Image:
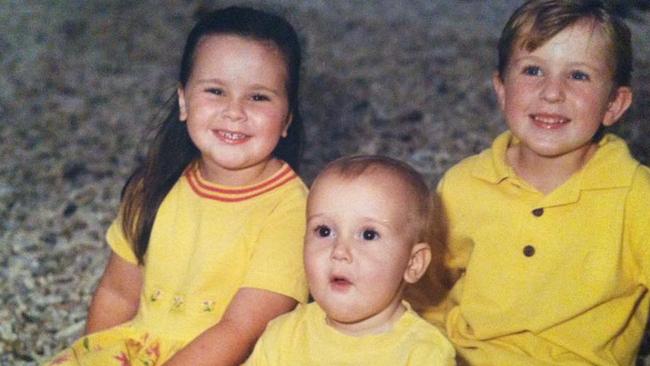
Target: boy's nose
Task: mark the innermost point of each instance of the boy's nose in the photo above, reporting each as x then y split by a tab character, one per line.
553	89
341	251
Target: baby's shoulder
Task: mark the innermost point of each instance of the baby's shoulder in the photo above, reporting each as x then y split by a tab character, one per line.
427	341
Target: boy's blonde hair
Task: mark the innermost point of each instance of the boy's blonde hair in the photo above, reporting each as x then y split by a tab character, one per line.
351	167
537	21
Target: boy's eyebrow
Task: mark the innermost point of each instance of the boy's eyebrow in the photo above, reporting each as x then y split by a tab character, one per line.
539	59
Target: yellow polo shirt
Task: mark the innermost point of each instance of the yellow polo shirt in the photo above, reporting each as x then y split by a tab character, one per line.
557	279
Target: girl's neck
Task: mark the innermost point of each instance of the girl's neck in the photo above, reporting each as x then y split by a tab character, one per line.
238	177
547	173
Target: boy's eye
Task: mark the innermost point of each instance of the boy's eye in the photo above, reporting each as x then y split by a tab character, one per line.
259	97
579	75
323	231
370	234
532	71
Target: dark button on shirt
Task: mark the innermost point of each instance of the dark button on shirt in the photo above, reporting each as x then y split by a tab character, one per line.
538	212
529	250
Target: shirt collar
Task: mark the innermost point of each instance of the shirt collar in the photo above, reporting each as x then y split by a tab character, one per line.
611	166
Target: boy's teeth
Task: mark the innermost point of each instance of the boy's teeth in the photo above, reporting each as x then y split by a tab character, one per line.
550	120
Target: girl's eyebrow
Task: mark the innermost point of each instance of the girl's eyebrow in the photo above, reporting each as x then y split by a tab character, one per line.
209	81
253	86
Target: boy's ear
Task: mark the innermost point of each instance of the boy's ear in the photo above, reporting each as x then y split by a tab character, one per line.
182	108
497	83
619	103
419	262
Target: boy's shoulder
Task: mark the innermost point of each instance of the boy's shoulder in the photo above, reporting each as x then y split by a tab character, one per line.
489	164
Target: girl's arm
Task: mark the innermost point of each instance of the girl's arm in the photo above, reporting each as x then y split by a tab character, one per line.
117	296
230	341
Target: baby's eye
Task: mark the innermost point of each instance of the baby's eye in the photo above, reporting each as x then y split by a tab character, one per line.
215	91
579	75
322	231
260	98
370	234
532	71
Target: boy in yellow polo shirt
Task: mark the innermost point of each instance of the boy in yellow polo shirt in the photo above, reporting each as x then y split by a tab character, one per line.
549	229
368	235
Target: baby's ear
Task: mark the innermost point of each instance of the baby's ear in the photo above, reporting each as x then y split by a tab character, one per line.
620	101
417	266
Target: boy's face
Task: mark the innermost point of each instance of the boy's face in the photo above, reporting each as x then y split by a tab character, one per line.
556	97
358	248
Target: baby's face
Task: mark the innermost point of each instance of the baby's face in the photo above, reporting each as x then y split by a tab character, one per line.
357	248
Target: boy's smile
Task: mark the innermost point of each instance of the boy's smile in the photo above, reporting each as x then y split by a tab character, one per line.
556	97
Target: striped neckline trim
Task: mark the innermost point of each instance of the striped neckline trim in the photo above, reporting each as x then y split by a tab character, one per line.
221	193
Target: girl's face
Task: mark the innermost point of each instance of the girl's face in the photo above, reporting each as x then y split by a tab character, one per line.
556	97
236	107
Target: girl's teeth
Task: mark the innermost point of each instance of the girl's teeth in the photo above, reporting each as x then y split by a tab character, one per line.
233	136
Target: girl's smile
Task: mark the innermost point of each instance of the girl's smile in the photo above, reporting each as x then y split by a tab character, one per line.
232	138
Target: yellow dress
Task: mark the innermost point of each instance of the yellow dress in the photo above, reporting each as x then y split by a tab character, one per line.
207	242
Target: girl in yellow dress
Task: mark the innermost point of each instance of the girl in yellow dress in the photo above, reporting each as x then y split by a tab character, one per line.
207	247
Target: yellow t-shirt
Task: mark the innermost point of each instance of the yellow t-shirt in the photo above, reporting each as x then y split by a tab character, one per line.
303	337
557	279
207	242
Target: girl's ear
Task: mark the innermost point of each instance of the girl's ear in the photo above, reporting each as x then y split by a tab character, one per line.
499	88
287	125
619	103
417	266
182	108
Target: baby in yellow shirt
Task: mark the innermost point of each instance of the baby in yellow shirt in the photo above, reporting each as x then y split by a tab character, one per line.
368	236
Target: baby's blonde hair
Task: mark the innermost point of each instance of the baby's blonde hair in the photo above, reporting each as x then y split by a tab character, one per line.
351	167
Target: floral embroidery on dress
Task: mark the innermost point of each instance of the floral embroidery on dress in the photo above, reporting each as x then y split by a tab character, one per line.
178	302
208	306
155	295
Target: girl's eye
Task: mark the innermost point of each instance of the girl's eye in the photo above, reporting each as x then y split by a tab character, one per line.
323	231
215	91
532	71
370	234
579	75
260	98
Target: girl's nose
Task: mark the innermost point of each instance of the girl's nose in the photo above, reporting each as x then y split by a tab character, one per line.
341	251
553	89
233	110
